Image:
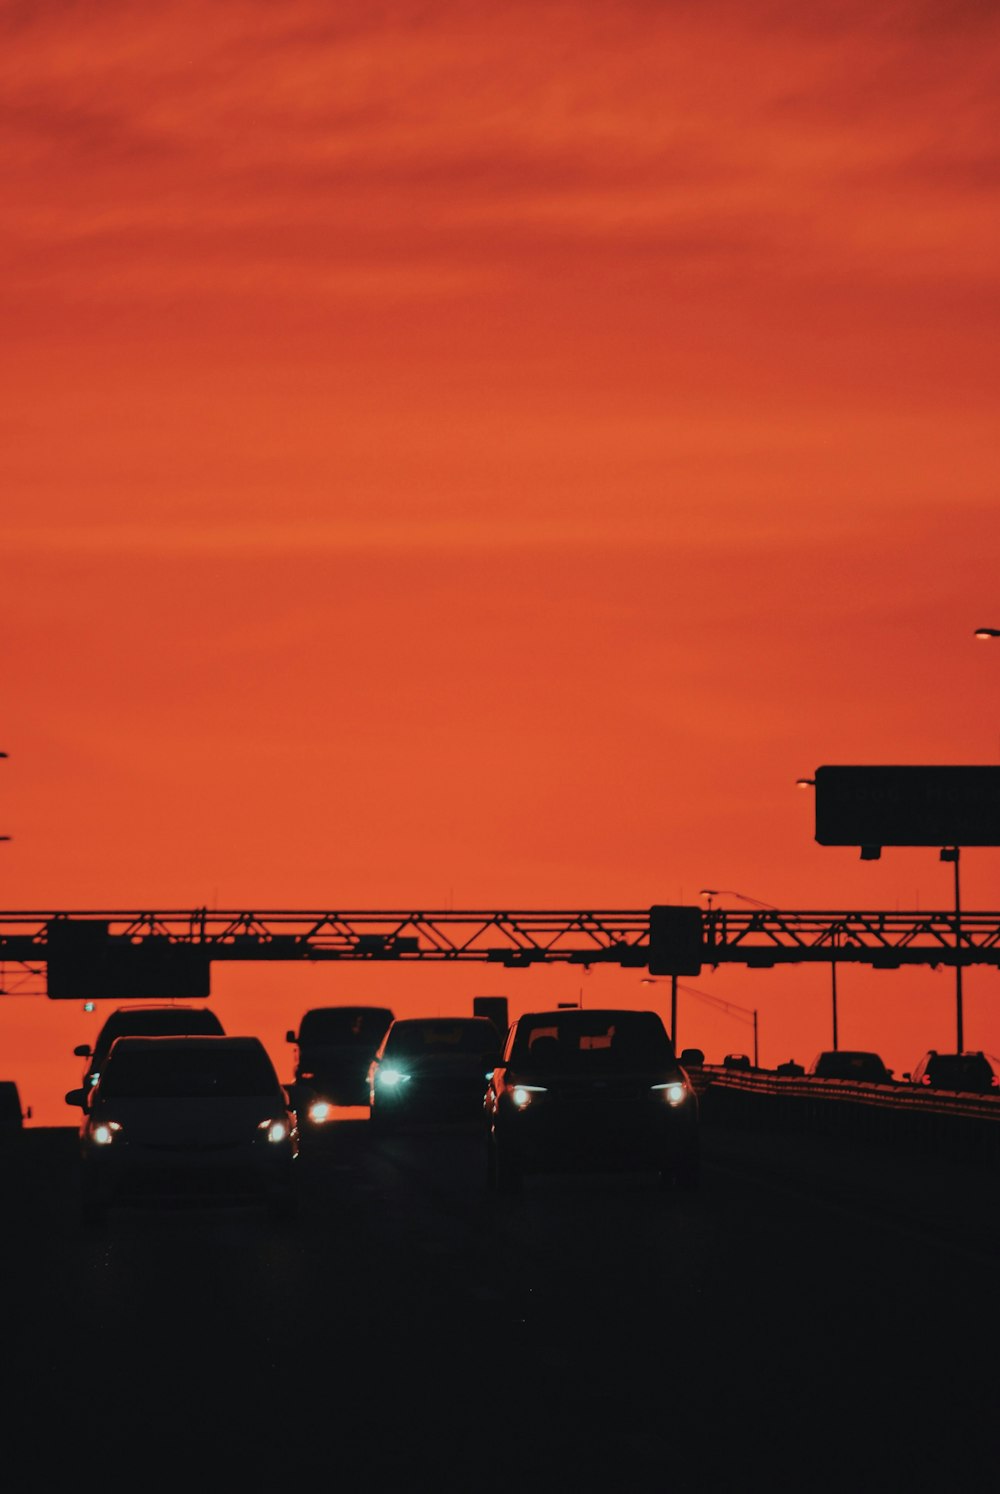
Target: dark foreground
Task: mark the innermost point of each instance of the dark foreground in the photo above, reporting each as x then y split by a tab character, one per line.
817	1317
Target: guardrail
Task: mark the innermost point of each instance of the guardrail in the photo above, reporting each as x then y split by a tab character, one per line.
903	1115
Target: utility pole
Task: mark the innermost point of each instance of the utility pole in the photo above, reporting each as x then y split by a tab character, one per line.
952	854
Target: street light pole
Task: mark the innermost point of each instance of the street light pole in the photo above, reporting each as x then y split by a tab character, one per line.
673	1011
952	854
652	980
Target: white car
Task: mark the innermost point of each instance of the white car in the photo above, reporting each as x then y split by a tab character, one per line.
178	1117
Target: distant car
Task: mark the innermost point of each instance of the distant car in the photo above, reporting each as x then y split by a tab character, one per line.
737	1061
149	1020
432	1069
692	1058
336	1045
12	1117
848	1063
790	1069
174	1117
971	1073
590	1090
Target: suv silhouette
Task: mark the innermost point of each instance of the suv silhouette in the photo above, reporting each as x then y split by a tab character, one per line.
971	1073
336	1045
144	1021
845	1063
590	1091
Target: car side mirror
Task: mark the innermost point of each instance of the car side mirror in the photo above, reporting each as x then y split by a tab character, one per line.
290	1036
908	1075
77	1097
82	1050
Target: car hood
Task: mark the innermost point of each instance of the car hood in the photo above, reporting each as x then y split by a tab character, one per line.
436	1065
216	1122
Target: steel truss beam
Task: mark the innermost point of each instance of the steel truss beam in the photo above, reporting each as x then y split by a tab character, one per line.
753	936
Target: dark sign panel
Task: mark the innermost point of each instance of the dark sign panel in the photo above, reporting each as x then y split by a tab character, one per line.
85	964
676	939
494	1007
908	806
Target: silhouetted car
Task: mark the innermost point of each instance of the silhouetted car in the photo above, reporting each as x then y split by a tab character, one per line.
971	1073
790	1069
12	1117
432	1069
737	1061
848	1063
692	1058
187	1116
148	1020
590	1091
336	1046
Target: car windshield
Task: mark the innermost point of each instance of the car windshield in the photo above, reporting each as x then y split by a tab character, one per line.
172	1073
345	1025
174	1021
413	1039
615	1041
843	1065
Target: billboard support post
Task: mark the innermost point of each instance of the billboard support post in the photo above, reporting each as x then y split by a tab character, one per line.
953	854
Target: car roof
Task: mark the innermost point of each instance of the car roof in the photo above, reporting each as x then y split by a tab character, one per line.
348	1006
141	1012
588	1014
185	1042
443	1021
849	1053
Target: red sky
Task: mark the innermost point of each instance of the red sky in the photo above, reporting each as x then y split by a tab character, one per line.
484	456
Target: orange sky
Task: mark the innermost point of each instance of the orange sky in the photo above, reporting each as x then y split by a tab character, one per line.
484	456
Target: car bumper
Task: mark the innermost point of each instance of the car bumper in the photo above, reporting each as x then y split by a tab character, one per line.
546	1140
224	1172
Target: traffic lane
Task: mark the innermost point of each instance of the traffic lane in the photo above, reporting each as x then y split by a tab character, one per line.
793	1306
591	1325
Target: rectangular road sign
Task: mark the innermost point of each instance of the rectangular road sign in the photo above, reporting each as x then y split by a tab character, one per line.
85	964
908	806
676	939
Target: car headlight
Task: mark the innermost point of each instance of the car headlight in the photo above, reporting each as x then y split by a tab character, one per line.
277	1130
521	1095
319	1112
104	1133
390	1077
675	1091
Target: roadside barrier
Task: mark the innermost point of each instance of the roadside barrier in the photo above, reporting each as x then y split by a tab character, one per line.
902	1115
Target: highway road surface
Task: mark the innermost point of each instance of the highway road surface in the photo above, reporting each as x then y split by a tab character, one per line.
820	1315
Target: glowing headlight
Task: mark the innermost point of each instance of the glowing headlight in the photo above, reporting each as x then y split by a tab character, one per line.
521	1094
277	1130
675	1092
95	1076
320	1111
391	1077
104	1133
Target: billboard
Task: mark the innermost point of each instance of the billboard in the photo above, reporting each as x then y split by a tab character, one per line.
85	963
908	806
676	939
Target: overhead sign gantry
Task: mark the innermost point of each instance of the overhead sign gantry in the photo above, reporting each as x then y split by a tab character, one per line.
153	955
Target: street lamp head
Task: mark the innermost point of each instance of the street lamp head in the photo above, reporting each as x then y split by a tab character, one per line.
987	633
805	783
